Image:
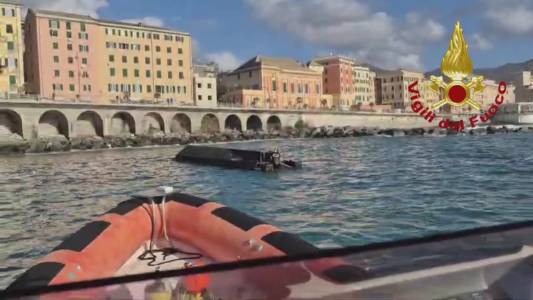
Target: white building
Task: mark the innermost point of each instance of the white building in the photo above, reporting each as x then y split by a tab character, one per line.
205	86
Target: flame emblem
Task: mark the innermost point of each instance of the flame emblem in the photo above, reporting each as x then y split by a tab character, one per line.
457	66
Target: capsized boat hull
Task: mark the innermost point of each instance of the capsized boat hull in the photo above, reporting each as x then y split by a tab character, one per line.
233	158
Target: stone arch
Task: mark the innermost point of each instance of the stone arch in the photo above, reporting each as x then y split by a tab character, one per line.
153	122
52	123
122	123
273	123
89	123
210	124
233	122
254	123
10	122
180	123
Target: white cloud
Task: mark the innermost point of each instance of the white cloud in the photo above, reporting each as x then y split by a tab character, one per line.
510	16
225	60
351	26
83	7
480	42
150	21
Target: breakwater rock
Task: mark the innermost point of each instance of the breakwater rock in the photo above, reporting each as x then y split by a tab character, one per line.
14	144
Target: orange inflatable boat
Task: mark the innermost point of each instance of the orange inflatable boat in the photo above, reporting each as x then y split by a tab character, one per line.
154	233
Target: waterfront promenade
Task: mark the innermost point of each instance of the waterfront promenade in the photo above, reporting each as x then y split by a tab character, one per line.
31	119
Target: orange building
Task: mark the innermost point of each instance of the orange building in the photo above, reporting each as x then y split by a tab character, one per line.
72	56
267	82
351	85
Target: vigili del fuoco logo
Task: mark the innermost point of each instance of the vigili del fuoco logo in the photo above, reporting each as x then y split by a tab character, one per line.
459	89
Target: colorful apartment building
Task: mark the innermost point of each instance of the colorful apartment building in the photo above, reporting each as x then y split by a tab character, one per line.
71	56
268	82
11	49
205	86
394	87
350	84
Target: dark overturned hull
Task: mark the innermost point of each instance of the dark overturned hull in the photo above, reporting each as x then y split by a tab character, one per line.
233	158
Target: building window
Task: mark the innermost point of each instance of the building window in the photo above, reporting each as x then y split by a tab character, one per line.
112	72
9	28
157	49
146	48
57	73
70	60
292	88
148	74
284	87
147	60
158	61
199	97
148	88
12	80
136	59
181	75
274	85
85	74
68	26
69	47
125	72
53	24
10	46
124	59
82	27
111	58
180	51
71	88
69	35
169	75
84	61
159	74
55	45
137	73
169	62
71	74
209	98
180	63
56	59
209	85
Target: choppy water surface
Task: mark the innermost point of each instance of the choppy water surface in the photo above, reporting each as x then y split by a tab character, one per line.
351	191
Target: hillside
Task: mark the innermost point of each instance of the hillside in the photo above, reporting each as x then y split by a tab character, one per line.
507	72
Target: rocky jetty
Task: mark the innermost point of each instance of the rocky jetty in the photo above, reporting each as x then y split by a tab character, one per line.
14	144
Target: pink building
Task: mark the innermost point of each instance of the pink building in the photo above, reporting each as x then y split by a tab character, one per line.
72	56
351	85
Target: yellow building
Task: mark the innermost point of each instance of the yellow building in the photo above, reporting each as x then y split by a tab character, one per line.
71	56
11	48
268	82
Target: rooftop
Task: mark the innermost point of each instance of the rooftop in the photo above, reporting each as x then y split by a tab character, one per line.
89	18
12	2
280	62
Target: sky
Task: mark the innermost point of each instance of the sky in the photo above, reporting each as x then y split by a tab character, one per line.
386	33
